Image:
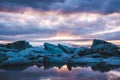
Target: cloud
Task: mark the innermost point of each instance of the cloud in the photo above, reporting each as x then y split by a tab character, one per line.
96	6
35	26
65	6
17	5
18	30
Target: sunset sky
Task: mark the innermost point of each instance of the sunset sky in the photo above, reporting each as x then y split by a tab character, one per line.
71	21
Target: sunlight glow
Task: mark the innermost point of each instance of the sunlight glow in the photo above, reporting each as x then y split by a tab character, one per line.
64	36
45	79
64	68
4	42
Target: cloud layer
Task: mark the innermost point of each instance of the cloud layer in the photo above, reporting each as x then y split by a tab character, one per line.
66	6
37	20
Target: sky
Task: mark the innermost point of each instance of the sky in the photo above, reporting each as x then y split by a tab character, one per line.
65	21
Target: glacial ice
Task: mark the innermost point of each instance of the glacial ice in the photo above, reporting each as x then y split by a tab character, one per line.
100	52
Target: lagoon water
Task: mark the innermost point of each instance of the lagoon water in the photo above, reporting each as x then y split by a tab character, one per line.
58	72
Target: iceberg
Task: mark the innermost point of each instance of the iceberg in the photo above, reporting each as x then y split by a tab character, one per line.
53	49
105	48
20	45
66	49
21	52
15	61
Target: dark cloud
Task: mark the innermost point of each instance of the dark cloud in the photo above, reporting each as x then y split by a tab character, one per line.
28	30
112	36
96	6
66	6
112	6
13	5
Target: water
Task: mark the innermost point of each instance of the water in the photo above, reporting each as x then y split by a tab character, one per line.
57	72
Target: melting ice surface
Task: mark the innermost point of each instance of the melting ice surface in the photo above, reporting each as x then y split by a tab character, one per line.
57	72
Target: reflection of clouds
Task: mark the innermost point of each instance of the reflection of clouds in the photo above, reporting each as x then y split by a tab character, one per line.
63	69
52	78
53	73
114	75
63	73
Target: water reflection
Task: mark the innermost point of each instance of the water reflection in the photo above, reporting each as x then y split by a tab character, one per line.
57	72
99	67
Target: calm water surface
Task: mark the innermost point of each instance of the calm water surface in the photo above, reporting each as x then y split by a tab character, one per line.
58	72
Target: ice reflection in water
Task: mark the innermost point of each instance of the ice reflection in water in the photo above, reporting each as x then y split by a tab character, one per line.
58	73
